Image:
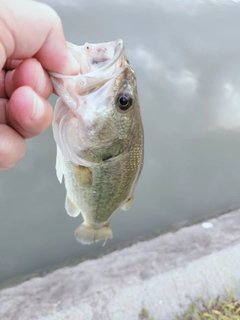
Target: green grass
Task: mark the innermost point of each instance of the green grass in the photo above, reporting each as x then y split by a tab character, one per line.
144	315
219	309
227	308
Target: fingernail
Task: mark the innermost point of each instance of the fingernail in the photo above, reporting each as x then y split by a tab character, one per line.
38	107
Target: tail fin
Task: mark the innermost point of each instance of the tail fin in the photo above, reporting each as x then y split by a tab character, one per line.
87	234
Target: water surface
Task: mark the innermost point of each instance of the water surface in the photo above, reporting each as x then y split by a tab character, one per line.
186	56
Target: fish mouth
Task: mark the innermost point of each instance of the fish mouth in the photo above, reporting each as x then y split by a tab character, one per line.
96	59
116	47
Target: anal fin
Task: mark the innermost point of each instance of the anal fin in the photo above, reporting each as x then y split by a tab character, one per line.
71	208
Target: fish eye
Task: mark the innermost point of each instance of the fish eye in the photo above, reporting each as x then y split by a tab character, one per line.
124	101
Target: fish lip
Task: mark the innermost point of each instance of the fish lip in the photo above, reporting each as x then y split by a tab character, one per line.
118	51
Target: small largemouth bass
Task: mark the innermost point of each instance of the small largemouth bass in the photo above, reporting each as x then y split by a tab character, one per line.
98	130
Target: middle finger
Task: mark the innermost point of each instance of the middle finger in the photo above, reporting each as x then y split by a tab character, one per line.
29	73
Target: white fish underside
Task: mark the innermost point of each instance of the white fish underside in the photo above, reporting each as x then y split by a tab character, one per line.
99	137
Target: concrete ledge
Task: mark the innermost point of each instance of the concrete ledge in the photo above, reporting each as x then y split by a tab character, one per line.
163	275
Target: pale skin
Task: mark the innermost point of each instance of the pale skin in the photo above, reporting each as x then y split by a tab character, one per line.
31	42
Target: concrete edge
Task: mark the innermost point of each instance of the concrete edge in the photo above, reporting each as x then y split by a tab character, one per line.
163	274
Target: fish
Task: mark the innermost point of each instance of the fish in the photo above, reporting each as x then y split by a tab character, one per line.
98	130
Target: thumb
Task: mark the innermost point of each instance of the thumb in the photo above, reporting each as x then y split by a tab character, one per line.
28	29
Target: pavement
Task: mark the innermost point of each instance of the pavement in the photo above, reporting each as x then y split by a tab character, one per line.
163	275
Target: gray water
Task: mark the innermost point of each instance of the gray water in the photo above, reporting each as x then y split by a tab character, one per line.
186	55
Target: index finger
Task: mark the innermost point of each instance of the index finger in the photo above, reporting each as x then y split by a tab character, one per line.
28	29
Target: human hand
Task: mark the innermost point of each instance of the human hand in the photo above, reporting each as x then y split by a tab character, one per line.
31	40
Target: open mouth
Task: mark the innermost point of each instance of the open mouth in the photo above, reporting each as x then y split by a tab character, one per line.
102	56
95	59
99	63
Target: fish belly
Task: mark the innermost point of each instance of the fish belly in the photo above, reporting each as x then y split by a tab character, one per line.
99	190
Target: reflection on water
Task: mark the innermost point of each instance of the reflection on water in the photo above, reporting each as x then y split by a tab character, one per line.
187	61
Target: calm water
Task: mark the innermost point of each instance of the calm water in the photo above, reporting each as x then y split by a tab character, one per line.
187	58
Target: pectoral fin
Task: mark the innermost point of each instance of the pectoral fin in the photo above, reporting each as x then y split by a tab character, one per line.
127	205
83	175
